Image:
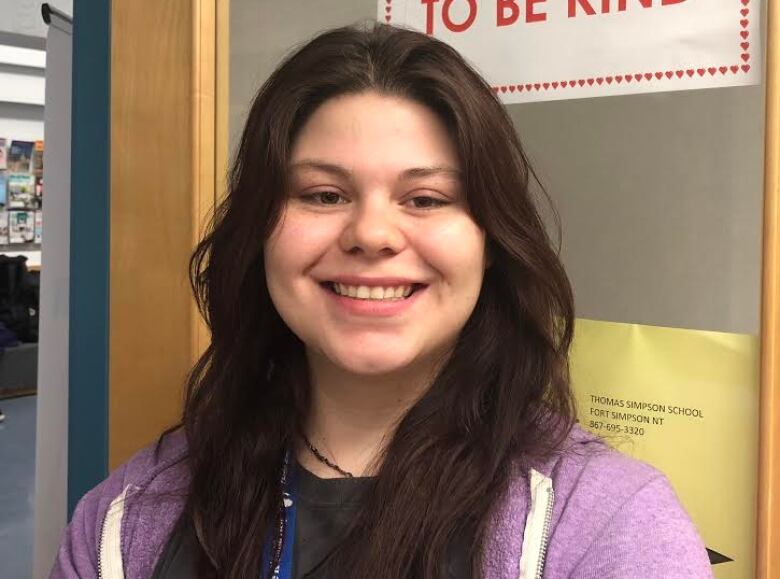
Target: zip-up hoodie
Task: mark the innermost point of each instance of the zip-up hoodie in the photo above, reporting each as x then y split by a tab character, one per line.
588	513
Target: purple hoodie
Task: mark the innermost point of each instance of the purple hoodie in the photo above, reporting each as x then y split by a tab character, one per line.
588	513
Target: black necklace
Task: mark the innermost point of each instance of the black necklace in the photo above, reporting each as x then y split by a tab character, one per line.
324	460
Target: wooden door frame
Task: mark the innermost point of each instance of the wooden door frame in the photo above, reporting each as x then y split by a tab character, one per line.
768	535
169	72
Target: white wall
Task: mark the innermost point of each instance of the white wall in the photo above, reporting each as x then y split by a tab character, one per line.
23	122
22	92
24	16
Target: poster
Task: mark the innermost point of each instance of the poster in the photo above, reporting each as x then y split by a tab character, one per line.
685	401
535	50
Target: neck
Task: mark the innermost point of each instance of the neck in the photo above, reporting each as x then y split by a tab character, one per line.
352	417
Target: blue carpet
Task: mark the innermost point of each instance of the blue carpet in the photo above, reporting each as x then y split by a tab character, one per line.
17	487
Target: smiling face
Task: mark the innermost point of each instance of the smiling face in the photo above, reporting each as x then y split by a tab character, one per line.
376	263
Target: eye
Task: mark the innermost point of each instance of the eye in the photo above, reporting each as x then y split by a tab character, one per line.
425	202
324	198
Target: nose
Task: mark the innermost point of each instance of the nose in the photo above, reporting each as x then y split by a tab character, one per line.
373	229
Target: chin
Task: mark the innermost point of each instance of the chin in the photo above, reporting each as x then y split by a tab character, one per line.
368	365
372	367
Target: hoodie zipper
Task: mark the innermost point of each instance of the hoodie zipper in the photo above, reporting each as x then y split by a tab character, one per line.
536	535
550	499
110	547
100	549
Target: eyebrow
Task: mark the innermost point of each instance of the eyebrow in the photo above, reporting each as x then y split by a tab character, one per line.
344	173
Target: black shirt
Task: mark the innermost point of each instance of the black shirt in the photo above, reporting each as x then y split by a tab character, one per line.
325	509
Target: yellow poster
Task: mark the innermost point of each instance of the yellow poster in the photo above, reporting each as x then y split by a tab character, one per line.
685	401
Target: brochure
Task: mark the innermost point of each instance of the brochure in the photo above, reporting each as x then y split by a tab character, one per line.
20	156
37	159
21	191
38	226
38	192
3	228
21	226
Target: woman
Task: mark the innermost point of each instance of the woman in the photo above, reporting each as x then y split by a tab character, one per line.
386	393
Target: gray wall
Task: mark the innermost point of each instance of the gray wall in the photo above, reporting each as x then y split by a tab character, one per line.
262	32
660	198
660	195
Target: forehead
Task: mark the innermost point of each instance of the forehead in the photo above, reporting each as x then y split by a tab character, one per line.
373	130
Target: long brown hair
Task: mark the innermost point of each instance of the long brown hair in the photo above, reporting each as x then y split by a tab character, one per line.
502	399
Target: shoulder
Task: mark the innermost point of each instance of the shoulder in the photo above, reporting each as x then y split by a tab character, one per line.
159	468
615	516
153	481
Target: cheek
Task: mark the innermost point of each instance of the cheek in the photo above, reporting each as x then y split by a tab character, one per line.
457	252
294	246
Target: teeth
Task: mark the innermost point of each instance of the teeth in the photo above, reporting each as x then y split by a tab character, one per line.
363	292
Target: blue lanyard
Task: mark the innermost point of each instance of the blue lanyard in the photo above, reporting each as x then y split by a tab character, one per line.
286	531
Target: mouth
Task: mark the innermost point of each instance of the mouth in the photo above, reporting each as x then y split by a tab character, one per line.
373	293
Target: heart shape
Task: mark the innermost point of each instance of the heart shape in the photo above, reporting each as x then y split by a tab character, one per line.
581	82
546	85
387	18
744	23
511	88
659	75
723	69
503	89
590	81
669	74
746	57
745	2
744	34
520	88
388	9
609	79
680	73
701	71
745	45
600	80
744	11
555	85
537	86
528	87
564	83
690	72
745	67
619	78
735	69
712	70
648	76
